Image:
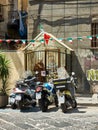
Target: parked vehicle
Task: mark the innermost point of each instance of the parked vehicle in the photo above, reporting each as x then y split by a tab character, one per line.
65	89
46	95
23	94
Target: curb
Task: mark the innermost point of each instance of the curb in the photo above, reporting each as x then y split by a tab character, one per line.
87	100
87	104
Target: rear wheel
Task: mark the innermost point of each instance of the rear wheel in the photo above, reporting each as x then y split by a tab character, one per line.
64	108
74	104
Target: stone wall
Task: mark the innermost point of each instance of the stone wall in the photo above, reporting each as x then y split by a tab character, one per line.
16	66
66	19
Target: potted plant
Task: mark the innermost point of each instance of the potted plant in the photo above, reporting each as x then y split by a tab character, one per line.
4	75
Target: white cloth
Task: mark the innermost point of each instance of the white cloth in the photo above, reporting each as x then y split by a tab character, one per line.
62	73
21	26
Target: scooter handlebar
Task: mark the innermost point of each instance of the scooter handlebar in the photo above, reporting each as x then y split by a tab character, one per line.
28	80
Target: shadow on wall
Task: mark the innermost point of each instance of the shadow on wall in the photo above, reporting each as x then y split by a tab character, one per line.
83	83
68	20
58	2
37	21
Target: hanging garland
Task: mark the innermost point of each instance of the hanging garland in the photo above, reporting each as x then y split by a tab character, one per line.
10	40
46	39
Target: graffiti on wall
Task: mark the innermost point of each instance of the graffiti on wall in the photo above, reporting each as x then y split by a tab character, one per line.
91	67
92	74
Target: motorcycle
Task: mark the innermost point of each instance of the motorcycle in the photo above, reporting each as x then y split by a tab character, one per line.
46	95
65	89
23	94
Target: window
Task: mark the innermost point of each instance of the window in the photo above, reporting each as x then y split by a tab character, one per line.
1	9
94	32
1	13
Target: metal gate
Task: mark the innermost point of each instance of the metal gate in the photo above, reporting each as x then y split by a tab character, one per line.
51	58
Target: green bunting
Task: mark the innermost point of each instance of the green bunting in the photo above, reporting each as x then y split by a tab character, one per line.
89	37
70	39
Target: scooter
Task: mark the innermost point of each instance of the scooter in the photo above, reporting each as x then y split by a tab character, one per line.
65	89
46	95
23	95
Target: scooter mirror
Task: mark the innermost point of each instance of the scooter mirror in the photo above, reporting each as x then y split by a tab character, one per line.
73	73
36	72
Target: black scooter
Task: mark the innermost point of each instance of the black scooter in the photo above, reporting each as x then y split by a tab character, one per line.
65	89
23	94
46	95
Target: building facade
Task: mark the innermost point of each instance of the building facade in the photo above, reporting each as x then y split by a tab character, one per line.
8	13
76	23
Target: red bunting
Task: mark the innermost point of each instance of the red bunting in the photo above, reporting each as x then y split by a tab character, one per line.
46	38
33	44
0	40
8	41
17	41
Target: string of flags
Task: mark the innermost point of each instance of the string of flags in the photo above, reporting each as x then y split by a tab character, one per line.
14	40
46	39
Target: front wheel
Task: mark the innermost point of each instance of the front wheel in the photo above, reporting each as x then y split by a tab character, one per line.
14	106
64	108
34	104
56	101
43	105
20	105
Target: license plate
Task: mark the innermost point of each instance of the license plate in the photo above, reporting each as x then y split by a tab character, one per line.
38	95
18	97
62	86
12	100
61	99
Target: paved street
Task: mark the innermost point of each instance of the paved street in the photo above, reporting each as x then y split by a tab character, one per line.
83	118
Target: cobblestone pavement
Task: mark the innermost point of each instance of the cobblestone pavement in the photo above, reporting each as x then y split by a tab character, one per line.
82	118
